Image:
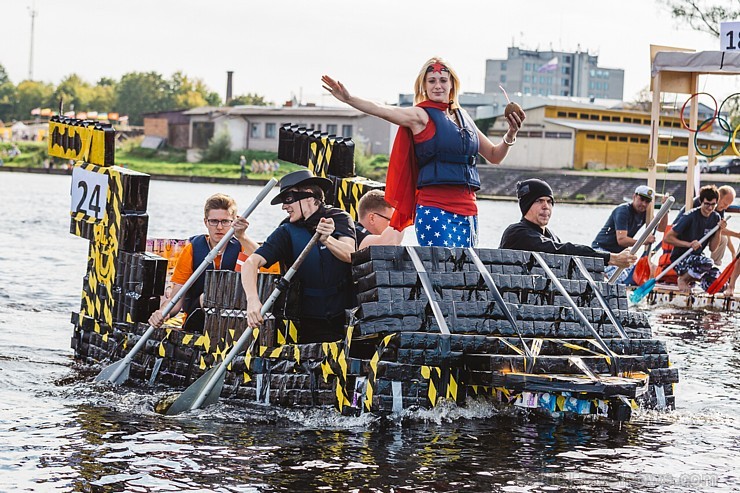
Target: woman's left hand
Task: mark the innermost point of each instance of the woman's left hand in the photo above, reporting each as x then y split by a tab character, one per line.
515	124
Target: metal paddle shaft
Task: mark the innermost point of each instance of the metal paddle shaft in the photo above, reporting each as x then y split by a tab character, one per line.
488	279
117	373
207	388
639	293
578	311
649	229
427	285
595	288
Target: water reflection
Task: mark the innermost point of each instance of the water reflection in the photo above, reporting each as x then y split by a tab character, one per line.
59	431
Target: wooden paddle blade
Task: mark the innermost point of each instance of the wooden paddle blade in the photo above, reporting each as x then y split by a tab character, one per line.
720	282
639	293
190	395
107	374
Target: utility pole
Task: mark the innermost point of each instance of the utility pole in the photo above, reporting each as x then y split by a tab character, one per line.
30	55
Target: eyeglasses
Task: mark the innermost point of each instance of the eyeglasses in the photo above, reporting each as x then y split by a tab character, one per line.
710	204
223	222
291	197
381	215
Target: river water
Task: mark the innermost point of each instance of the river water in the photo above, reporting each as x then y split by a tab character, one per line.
61	432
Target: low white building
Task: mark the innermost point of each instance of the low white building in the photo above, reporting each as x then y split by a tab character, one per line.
257	127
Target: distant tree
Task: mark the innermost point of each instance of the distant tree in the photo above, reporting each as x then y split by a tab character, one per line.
102	98
213	99
7	96
142	92
190	93
32	94
107	81
251	99
72	90
703	15
3	75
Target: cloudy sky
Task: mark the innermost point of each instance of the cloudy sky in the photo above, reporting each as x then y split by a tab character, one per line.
280	48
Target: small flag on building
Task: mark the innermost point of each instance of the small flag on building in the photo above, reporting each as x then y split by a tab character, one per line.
549	66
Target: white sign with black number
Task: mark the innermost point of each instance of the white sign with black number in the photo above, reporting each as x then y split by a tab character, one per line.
89	192
729	36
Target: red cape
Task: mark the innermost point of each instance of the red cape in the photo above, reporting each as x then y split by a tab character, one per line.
400	184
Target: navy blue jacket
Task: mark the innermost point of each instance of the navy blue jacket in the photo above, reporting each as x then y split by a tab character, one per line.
449	157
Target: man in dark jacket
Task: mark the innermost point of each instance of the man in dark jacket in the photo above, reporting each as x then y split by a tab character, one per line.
325	276
531	233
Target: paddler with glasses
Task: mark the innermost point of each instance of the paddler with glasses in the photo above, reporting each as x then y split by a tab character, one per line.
220	214
685	234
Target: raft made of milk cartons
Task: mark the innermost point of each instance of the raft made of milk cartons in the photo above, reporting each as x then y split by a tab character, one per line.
395	355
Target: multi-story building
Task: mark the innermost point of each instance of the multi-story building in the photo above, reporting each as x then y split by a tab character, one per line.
554	73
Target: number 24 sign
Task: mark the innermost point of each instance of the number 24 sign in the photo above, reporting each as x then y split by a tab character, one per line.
729	36
89	192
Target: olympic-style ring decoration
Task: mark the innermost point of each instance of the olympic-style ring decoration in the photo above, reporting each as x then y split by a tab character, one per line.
727	144
719	112
734	134
709	120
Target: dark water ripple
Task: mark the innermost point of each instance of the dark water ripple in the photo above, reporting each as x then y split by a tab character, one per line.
61	432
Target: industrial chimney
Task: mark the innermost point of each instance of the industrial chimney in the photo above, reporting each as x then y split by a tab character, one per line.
229	77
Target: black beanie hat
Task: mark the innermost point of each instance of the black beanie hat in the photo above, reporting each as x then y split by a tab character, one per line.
528	191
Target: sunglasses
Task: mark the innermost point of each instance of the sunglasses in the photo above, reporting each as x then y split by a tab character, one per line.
291	197
381	215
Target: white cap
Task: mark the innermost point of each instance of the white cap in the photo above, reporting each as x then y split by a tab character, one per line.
645	191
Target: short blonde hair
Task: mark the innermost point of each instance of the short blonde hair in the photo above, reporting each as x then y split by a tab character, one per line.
419	92
725	190
219	201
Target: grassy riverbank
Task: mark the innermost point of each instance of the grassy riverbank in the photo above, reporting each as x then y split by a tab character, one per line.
173	162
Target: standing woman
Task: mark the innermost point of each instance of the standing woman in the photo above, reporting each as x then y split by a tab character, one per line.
432	176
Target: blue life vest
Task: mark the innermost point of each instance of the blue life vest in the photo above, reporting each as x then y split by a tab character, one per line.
326	287
449	157
201	248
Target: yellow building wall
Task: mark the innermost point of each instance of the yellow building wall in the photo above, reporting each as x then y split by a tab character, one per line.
623	150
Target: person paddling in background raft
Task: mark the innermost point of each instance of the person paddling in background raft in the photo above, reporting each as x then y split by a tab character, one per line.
622	226
686	233
432	174
220	214
726	199
531	234
325	276
374	227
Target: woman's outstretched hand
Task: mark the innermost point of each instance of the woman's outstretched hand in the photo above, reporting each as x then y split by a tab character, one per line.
336	88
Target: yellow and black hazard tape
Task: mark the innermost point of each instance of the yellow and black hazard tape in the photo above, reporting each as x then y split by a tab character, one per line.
97	295
372	375
84	140
350	190
319	155
288	335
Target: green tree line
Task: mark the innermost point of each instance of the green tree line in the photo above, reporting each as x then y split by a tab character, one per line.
134	94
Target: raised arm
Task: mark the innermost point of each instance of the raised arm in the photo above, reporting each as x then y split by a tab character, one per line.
414	118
